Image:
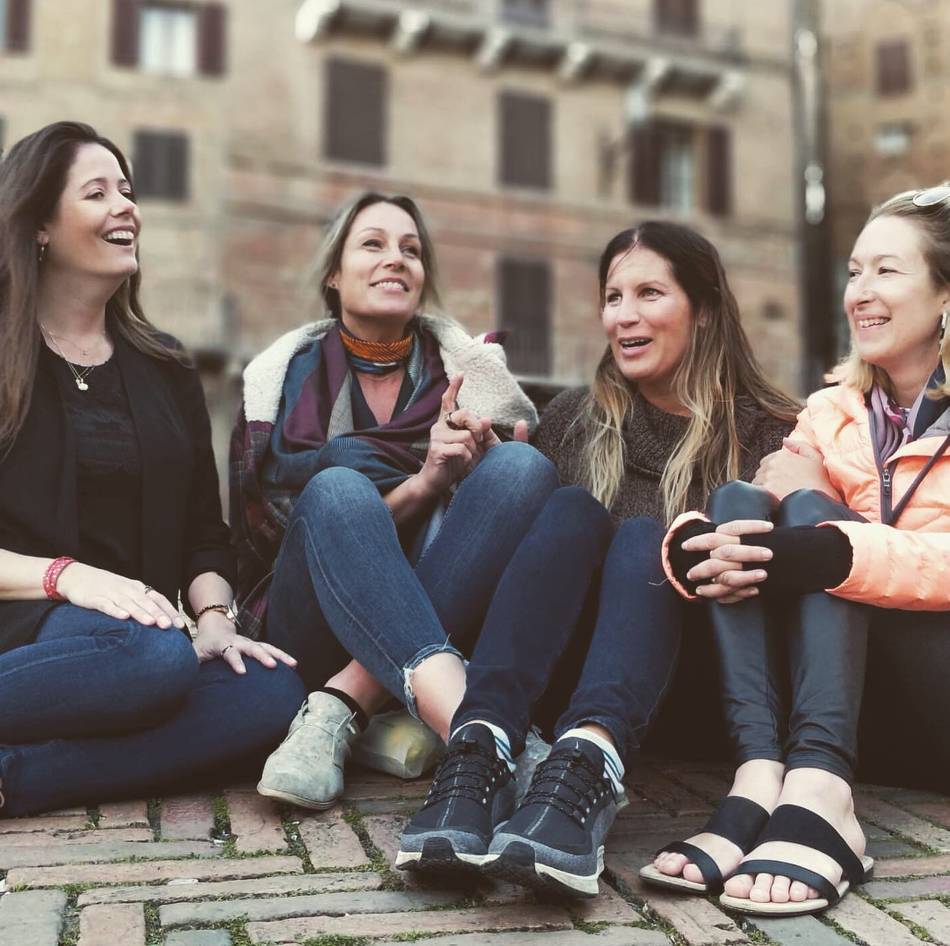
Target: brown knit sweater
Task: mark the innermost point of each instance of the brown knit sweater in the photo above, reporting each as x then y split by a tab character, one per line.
651	436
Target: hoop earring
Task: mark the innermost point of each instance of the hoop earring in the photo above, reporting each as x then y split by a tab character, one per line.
41	253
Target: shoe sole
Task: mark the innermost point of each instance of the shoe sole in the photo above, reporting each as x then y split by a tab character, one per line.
437	854
297	800
517	863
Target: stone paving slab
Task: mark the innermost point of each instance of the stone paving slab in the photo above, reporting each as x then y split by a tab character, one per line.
137	873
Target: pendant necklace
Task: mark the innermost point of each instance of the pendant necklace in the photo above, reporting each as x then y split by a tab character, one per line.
79	376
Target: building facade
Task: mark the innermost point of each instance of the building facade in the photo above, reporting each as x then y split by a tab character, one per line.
530	131
886	70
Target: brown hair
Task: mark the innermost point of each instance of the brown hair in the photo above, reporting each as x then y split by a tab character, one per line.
933	223
331	250
718	365
32	178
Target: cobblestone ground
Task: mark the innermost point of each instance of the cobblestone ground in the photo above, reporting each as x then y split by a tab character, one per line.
233	869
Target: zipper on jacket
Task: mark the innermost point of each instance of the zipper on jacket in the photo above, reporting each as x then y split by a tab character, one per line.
887	473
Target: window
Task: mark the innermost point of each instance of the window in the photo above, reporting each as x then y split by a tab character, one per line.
355	112
893	139
524	145
893	67
525	12
14	25
666	162
160	165
677	17
524	296
169	38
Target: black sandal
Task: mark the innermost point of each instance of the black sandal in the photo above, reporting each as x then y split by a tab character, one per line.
737	819
798	825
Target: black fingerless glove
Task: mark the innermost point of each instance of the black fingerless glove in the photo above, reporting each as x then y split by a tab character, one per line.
682	561
804	558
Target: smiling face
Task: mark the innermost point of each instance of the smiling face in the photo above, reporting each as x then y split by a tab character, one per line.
381	276
647	317
94	229
892	304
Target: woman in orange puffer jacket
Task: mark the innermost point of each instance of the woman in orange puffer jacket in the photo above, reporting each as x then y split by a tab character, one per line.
839	590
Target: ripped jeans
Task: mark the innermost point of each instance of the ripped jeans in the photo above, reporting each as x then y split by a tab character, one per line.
343	587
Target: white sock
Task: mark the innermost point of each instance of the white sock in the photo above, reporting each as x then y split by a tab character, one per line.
502	745
613	767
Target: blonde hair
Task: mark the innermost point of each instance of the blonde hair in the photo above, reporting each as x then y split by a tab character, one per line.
933	222
717	366
330	254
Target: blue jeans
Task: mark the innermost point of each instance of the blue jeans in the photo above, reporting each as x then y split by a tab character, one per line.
343	587
99	709
584	627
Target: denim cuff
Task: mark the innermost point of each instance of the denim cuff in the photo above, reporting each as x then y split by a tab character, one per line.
409	696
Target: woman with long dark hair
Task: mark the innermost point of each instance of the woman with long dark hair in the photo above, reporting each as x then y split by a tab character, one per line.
677	407
109	510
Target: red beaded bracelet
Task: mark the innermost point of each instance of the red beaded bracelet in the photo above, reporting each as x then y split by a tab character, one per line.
51	576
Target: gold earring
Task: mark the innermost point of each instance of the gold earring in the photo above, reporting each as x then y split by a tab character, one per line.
944	317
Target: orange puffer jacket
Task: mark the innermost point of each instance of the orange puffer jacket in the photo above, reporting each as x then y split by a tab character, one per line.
906	566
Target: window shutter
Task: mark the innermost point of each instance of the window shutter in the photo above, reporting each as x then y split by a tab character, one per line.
524	145
524	292
355	112
212	39
18	25
125	32
893	67
719	171
676	16
644	185
161	165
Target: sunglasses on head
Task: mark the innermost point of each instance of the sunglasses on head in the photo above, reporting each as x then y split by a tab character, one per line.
932	196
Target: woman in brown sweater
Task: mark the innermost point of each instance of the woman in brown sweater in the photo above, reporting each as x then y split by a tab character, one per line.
677	407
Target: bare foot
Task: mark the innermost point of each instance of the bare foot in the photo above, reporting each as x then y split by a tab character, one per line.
759	780
825	794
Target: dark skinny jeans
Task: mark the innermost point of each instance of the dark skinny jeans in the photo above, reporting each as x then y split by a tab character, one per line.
794	670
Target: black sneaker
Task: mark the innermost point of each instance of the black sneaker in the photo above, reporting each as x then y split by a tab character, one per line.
555	840
472	792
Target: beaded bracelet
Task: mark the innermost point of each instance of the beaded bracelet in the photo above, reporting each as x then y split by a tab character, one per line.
51	576
224	609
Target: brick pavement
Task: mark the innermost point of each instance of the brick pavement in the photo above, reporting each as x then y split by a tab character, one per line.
233	869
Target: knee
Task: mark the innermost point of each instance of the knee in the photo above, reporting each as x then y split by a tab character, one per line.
572	509
806	507
333	492
739	500
166	665
515	464
640	540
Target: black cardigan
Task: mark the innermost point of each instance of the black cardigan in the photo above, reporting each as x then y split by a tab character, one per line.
183	533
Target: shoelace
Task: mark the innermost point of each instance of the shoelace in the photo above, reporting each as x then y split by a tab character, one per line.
567	781
466	771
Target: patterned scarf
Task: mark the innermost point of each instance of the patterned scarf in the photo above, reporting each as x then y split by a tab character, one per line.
314	428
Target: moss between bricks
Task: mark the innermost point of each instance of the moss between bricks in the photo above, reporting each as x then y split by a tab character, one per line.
154	810
153	924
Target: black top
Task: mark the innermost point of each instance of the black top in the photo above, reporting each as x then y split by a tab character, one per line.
108	468
181	532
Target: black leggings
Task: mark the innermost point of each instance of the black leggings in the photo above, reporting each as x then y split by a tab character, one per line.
793	669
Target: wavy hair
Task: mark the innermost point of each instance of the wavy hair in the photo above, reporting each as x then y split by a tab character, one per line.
32	177
933	223
330	253
718	365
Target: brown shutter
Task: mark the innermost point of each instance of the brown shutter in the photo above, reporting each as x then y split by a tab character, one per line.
893	67
212	39
125	32
676	16
644	186
160	165
355	112
524	295
719	171
524	146
18	25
